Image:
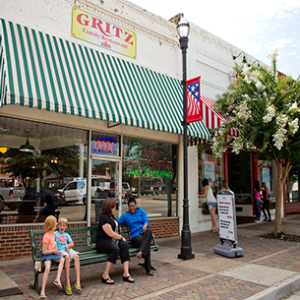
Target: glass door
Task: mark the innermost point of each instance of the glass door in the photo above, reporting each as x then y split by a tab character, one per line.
104	183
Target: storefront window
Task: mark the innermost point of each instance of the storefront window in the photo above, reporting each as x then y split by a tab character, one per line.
209	168
267	175
150	169
43	171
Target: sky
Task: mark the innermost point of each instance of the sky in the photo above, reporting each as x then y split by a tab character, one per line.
257	27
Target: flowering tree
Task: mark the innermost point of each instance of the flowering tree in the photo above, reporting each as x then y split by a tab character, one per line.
264	108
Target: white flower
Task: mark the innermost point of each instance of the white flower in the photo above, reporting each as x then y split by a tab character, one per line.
293	126
222	129
273	55
281	120
243	112
256	74
237	145
218	149
246	71
294	108
271	113
279	137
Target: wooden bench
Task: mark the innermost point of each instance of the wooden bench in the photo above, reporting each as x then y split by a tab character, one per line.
85	243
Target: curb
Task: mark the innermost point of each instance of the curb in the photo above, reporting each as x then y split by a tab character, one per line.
277	291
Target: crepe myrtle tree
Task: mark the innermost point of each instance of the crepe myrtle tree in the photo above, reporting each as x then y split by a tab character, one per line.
264	108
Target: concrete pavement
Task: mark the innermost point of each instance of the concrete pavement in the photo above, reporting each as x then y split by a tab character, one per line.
270	269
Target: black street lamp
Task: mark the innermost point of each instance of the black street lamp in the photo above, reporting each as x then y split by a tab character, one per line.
183	30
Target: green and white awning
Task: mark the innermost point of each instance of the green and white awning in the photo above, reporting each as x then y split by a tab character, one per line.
47	72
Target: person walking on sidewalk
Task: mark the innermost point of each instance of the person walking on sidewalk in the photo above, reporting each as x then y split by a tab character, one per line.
265	206
140	234
257	200
212	204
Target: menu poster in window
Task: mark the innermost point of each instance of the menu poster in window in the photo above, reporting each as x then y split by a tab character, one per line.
209	170
81	187
226	211
266	177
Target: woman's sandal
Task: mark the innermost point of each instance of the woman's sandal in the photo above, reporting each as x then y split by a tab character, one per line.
42	297
57	284
107	280
68	291
128	278
77	287
215	231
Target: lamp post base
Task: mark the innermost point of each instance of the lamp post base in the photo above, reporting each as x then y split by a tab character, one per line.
186	249
186	255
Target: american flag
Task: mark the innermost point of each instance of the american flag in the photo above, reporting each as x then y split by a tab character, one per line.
193	100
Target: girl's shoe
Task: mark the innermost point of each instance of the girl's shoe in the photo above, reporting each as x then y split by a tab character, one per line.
57	284
77	287
68	291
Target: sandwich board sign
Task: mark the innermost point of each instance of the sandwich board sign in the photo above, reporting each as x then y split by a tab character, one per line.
227	225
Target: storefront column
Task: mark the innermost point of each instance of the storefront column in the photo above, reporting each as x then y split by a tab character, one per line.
81	168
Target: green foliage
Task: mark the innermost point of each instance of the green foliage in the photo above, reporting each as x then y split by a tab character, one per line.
262	107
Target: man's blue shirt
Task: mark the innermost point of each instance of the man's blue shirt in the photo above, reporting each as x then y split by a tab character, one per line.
134	222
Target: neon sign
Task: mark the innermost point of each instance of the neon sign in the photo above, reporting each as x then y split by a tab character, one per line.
153	156
105	145
148	173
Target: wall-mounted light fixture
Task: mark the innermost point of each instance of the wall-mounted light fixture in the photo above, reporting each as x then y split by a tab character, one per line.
258	63
244	57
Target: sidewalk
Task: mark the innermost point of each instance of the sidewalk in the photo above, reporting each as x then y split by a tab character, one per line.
269	270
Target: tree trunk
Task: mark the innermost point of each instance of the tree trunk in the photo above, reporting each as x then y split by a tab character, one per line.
279	184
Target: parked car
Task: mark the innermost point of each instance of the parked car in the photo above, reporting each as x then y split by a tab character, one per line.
33	196
125	189
75	190
134	190
173	189
11	196
151	187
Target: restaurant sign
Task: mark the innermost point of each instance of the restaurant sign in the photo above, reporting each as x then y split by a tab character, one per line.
90	28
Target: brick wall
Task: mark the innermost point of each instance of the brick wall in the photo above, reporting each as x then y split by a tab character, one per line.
163	228
292	208
15	241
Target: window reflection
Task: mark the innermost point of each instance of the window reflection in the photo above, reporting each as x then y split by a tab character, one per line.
32	182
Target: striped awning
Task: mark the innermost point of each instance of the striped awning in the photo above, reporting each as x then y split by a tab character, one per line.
47	72
211	118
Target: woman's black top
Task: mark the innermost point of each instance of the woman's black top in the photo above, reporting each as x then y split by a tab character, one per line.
101	235
265	196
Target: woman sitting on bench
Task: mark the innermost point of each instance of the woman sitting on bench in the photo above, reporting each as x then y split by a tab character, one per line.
111	242
140	234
